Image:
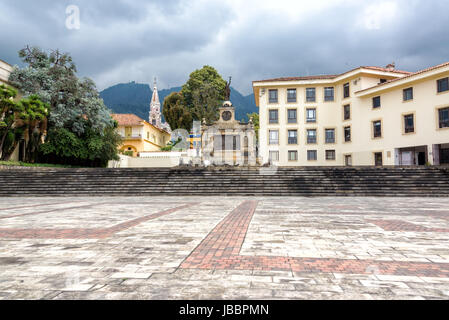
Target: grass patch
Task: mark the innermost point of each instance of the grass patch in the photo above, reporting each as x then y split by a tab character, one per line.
25	164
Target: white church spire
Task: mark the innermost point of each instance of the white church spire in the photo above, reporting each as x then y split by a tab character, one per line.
155	98
155	110
155	107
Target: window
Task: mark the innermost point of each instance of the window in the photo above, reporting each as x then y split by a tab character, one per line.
378	159
443	85
311	136
226	142
346	90
311	115
274	116
274	137
330	154
292	155
148	136
383	80
273	95
311	155
291	95
409	124
347	112
443	118
330	135
377	129
128	132
292	116
408	94
310	95
274	156
347	131
376	102
348	160
292	137
329	94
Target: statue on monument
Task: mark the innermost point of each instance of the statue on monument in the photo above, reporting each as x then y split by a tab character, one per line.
228	90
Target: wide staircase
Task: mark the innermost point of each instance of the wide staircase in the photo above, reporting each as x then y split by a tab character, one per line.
343	181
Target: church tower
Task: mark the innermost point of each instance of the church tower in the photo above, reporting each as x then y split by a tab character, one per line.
155	108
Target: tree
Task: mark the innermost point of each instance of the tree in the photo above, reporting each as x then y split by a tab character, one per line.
33	116
8	110
26	116
75	104
90	149
176	113
205	103
203	93
255	117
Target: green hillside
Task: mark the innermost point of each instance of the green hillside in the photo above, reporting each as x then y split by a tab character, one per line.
135	98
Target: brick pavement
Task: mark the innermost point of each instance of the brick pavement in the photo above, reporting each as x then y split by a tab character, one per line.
224	248
221	250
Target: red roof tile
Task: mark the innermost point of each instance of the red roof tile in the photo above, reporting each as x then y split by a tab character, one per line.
385	70
127	119
411	74
332	76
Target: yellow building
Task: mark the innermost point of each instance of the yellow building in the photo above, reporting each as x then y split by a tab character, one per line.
139	135
5	71
366	116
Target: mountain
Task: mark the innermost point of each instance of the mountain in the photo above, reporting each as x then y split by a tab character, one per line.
132	98
135	98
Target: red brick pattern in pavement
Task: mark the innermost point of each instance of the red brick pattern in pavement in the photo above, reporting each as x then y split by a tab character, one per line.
225	239
80	233
221	250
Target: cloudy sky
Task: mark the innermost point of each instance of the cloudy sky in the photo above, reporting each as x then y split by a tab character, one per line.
135	40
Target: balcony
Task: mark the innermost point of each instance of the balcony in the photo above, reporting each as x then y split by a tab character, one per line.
131	136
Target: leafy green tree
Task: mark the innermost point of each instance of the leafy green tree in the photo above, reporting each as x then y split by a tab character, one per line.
8	110
75	104
89	149
203	93
255	117
176	113
26	116
205	103
33	116
62	144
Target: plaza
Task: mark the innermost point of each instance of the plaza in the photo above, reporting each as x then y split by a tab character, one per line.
224	248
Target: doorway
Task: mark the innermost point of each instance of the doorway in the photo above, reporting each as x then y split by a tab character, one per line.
444	156
413	156
421	159
378	159
348	160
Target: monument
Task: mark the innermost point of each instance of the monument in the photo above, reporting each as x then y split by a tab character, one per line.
228	141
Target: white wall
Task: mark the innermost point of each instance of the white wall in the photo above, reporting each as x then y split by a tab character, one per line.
151	160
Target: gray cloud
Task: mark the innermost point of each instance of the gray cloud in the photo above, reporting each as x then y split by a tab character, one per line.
126	40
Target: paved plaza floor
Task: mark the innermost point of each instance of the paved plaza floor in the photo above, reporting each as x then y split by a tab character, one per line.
224	248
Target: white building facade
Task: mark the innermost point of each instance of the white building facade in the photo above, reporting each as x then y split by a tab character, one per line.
366	116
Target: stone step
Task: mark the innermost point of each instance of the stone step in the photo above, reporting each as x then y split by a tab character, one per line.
357	181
